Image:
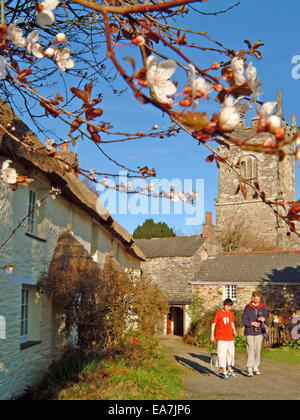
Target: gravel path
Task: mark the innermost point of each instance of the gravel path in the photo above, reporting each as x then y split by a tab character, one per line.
279	381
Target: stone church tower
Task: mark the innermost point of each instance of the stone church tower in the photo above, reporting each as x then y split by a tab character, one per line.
249	224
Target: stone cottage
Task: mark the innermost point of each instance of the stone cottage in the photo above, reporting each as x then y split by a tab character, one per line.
172	263
76	220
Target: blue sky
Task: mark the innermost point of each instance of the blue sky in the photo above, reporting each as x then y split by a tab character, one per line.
271	21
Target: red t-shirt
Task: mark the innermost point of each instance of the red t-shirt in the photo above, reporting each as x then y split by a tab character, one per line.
224	330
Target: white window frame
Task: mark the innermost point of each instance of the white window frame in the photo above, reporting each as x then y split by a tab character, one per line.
230	292
2	328
24	327
31	220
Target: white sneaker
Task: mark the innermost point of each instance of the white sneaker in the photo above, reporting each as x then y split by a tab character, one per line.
225	375
250	372
256	371
231	374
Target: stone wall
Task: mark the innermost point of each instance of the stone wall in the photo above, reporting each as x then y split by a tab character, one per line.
212	295
172	275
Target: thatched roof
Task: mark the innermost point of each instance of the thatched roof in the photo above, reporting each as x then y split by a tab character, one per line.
178	246
71	187
70	256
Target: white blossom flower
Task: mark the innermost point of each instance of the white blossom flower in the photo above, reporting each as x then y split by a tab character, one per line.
229	117
199	86
131	186
16	35
33	47
237	65
158	75
45	15
55	192
273	122
104	182
150	187
61	37
267	108
49	52
251	77
191	197
63	59
92	173
252	80
49	144
8	268
7	174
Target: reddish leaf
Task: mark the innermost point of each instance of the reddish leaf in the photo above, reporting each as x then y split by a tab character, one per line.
238	189
50	109
87	92
3	31
24	73
77	92
75	124
91	114
243	189
210	158
94	134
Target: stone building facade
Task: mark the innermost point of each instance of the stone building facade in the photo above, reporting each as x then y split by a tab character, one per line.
248	222
171	263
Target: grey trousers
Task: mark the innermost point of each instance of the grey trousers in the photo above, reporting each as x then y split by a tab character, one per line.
254	343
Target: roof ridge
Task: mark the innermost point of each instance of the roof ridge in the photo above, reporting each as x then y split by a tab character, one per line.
170	237
260	252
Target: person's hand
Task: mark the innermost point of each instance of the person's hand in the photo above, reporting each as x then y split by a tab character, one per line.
235	333
261	318
212	339
255	324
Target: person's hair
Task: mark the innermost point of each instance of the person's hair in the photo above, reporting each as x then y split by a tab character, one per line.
255	293
227	302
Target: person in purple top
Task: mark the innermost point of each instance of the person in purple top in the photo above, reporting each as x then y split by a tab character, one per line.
254	317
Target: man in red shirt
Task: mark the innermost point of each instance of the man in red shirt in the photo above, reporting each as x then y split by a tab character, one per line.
223	323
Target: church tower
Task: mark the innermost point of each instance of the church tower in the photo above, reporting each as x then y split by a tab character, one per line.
249	224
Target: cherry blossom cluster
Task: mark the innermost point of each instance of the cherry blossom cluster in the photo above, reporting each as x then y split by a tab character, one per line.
158	81
61	57
173	195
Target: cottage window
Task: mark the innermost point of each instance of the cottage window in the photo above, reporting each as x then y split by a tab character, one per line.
230	292
30	317
31	218
2	328
24	315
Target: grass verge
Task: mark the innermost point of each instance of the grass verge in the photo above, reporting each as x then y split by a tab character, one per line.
90	377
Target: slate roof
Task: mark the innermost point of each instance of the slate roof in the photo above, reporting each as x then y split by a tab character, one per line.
178	246
71	187
249	267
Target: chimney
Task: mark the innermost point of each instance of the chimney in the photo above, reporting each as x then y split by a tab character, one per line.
68	160
208	230
64	147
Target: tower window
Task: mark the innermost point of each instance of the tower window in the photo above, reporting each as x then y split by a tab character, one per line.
249	168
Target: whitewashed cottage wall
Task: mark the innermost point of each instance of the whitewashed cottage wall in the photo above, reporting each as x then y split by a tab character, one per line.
20	368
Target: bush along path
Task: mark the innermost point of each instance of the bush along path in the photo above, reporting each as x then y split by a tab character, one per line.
278	381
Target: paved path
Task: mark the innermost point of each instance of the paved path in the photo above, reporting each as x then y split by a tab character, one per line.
279	381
